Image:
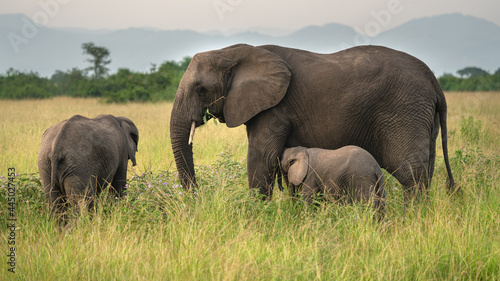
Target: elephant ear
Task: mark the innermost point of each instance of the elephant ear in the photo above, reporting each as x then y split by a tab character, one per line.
299	166
258	79
132	135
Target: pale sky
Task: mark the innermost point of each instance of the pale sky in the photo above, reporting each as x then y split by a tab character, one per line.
207	15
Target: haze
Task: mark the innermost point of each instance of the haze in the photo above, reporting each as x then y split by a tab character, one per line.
227	15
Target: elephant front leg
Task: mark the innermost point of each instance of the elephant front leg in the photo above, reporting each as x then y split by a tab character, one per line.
266	142
261	174
120	180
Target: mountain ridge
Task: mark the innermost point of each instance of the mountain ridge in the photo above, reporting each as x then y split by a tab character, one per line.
446	43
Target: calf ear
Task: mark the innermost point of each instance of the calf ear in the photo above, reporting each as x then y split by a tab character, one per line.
132	136
298	169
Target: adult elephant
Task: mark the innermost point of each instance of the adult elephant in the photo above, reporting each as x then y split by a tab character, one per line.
79	156
383	100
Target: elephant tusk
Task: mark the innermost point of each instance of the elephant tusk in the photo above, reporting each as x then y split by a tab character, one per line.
191	133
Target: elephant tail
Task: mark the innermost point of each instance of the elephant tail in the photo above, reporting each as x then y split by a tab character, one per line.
441	110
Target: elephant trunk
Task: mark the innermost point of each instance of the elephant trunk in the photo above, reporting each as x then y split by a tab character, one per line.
181	137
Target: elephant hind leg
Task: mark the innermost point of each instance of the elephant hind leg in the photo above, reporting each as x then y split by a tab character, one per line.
411	163
58	204
415	179
54	194
81	193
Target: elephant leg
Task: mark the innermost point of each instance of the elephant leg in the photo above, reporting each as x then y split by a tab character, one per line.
57	202
54	195
266	141
119	181
379	202
309	188
261	172
370	189
292	190
81	190
58	205
414	176
332	191
360	189
409	157
51	193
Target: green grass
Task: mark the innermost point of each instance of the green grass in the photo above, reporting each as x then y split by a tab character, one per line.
158	232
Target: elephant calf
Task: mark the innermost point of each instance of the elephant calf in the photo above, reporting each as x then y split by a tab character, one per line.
347	174
79	156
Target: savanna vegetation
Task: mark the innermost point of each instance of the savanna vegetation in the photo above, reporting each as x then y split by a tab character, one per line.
161	82
158	84
160	232
472	79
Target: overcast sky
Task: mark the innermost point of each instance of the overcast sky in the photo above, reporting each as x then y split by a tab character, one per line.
205	15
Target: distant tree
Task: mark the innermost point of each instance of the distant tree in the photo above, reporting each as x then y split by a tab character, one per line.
471	72
152	69
185	62
497	72
99	60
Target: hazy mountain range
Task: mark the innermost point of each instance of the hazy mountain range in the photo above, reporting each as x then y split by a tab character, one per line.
446	43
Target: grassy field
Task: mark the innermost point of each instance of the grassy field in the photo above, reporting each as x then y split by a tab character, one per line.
159	233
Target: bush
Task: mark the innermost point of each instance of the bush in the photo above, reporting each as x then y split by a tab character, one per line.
20	85
485	82
124	86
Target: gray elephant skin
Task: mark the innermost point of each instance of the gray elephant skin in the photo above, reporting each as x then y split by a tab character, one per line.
348	174
79	156
385	101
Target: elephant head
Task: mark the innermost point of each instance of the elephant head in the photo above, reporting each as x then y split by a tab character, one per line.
233	84
295	164
131	135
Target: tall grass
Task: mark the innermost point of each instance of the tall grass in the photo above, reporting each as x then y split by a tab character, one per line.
23	123
158	232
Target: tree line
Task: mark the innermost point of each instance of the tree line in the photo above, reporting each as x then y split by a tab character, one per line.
471	79
160	82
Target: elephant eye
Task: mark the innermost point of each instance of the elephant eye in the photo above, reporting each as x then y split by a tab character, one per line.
200	90
291	162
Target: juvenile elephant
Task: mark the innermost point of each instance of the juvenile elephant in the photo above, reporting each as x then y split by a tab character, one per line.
347	174
79	156
385	101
